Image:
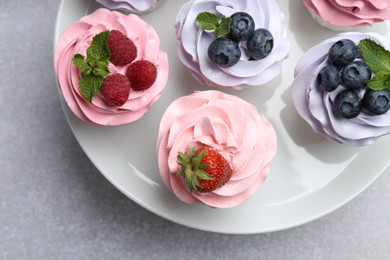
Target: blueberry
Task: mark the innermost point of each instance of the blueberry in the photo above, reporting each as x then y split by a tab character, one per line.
241	27
329	78
224	51
342	52
377	102
348	103
260	44
355	75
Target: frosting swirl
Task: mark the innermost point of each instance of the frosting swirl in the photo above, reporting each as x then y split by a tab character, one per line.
350	13
77	38
193	43
135	6
228	124
316	106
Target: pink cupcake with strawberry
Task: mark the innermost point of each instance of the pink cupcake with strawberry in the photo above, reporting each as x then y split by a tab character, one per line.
214	148
109	67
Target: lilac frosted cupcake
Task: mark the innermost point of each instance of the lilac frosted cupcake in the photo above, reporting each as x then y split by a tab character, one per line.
340	88
133	6
212	54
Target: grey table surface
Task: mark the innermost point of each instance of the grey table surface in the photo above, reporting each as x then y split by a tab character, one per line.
54	204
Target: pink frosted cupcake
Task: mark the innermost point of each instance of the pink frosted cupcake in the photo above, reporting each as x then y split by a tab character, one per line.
132	6
109	67
228	126
348	14
251	60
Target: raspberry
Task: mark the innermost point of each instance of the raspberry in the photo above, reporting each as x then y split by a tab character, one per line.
142	74
115	89
122	49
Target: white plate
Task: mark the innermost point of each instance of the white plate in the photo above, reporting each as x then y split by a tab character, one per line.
310	176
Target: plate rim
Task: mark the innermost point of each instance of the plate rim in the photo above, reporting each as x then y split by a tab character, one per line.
70	117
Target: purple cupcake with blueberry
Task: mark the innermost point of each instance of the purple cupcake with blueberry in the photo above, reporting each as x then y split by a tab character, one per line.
341	88
131	6
232	44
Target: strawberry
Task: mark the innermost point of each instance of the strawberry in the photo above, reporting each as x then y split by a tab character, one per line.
115	89
122	50
142	74
203	170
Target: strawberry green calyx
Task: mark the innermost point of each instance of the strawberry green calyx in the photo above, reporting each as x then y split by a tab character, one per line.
93	67
192	169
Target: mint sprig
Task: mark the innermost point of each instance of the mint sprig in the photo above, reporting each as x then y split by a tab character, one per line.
212	22
94	67
377	59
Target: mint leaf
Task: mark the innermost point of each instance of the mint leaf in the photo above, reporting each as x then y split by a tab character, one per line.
99	49
376	57
94	67
102	72
212	22
101	68
380	81
224	27
208	21
90	85
79	61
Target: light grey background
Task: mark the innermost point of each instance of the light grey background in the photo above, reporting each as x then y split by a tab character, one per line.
54	204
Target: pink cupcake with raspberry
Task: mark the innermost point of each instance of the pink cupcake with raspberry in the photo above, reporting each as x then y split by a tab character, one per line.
132	6
214	148
109	67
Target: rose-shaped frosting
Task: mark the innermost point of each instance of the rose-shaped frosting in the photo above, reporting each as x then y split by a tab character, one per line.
228	124
78	37
350	13
193	43
316	106
136	6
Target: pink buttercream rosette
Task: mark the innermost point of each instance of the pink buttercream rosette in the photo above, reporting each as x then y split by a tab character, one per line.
230	125
78	37
344	14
